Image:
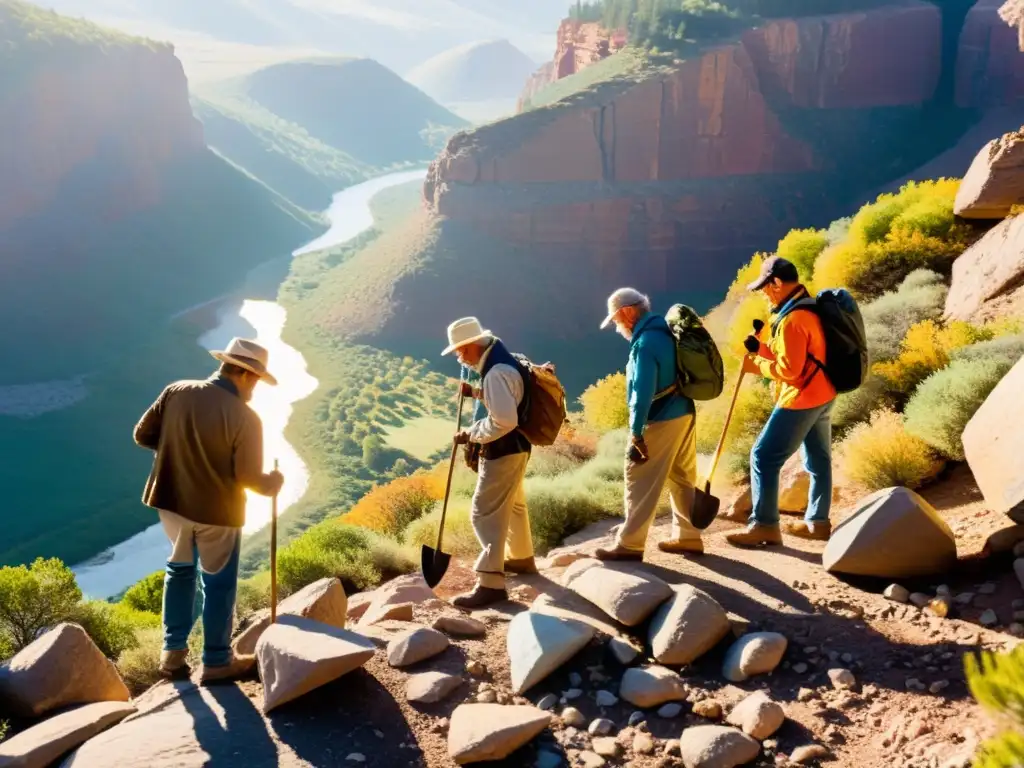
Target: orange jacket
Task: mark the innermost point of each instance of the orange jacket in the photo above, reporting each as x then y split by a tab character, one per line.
798	383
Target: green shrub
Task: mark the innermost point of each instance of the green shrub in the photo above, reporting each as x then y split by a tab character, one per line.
856	407
357	556
802	247
997	681
114	627
1005	349
139	665
253	594
459	538
939	410
921	296
4	727
35	597
561	506
613	445
146	594
882	454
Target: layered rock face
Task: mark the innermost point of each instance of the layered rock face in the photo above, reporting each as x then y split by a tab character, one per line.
988	69
126	108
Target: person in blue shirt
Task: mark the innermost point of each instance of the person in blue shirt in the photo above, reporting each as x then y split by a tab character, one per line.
663	439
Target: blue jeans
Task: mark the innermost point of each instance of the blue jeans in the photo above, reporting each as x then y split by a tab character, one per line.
785	431
221	547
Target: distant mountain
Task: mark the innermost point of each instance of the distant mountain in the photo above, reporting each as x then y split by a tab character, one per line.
478	71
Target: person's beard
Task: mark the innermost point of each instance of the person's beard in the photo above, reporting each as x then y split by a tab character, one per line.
624	332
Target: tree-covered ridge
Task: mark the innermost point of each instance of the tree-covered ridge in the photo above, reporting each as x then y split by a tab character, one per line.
27	31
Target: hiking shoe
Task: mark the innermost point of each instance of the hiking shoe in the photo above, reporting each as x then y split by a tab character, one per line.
524	566
174	665
755	536
619	553
480	597
682	546
238	667
810	530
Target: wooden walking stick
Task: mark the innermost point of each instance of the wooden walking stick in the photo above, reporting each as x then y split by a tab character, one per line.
273	555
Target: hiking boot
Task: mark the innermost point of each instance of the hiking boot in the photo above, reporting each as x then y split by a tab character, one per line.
238	667
810	530
619	553
755	536
480	597
524	566
174	665
682	546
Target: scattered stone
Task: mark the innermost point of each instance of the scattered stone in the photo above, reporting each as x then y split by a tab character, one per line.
687	626
896	593
548	702
965	598
894	533
460	626
356	757
624	595
606	747
806	754
606	699
671	747
564	559
668	711
624	652
636	718
920	599
938	686
800	668
987	588
487	697
757	716
913	684
1016	629
573	717
476	668
846	658
591	759
416	645
644	744
601	727
42	744
651	687
404	589
940	607
539	644
597	677
806	694
716	746
357	605
988	618
571	694
297	655
842	679
709	709
323	601
431	687
754	654
481	732
60	668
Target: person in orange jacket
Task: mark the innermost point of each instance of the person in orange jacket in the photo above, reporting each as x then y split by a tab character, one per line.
793	358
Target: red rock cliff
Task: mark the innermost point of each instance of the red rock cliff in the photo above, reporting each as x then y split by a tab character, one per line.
126	107
989	71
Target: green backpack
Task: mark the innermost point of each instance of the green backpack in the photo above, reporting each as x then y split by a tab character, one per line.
700	374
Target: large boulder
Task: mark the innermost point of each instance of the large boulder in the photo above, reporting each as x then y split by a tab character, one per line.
539	644
991	268
716	746
995	181
994	444
431	687
61	668
416	645
480	732
893	534
757	653
41	744
298	655
322	601
626	596
404	589
687	626
651	687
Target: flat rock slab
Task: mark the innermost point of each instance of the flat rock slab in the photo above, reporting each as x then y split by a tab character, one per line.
687	626
994	182
994	443
755	654
383	632
61	668
460	626
44	743
991	268
404	589
480	732
628	596
539	644
758	716
716	746
322	601
416	645
647	687
894	534
431	687
298	655
567	604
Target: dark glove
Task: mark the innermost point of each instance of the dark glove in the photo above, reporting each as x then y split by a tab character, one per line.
637	450
752	344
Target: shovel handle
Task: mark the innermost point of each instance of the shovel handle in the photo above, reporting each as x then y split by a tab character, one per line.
451	471
725	431
273	555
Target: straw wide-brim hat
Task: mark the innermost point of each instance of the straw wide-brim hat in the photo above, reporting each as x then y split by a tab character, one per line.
246	354
466	330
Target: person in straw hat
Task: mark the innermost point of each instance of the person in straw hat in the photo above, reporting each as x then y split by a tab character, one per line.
498	511
209	450
663	434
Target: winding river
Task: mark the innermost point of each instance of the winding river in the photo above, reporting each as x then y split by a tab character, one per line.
119	567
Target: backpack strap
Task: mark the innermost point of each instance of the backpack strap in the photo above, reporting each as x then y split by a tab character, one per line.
806	304
676	385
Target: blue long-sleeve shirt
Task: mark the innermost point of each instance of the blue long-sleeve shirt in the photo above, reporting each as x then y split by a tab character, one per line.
652	369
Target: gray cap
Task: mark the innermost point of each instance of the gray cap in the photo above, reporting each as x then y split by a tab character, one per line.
624	297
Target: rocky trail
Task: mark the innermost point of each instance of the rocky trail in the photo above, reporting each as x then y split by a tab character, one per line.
827	672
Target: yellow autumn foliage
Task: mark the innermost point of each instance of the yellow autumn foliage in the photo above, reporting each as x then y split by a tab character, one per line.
389	508
927	349
604	404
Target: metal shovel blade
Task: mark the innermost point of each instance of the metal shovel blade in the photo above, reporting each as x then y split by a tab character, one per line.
705	508
434	565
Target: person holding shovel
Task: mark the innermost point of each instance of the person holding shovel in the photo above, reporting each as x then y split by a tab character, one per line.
792	359
663	437
209	450
498	511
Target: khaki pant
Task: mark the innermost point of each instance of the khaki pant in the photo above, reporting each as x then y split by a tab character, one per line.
499	517
214	544
672	451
